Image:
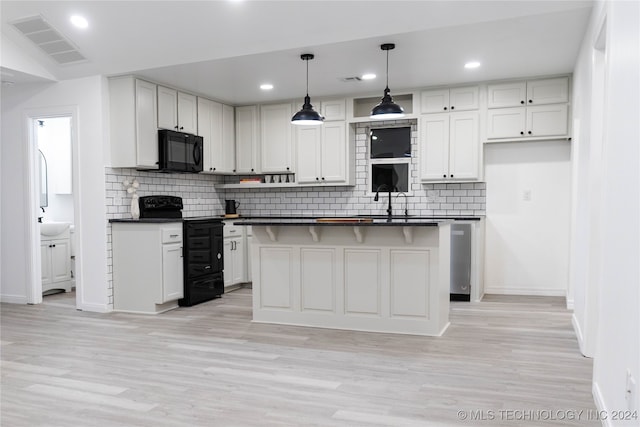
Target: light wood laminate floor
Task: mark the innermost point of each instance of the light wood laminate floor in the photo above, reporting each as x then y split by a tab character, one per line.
208	365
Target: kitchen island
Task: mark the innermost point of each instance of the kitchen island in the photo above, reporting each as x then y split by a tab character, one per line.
380	275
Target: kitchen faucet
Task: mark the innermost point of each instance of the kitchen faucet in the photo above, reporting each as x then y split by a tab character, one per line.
376	198
406	202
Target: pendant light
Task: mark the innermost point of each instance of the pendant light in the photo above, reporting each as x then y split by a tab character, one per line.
387	109
307	115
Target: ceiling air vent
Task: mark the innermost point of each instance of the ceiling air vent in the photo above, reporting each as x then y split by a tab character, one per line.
47	38
351	79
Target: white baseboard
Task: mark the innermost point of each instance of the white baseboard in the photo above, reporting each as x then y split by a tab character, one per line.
600	405
569	304
97	308
524	291
13	299
579	335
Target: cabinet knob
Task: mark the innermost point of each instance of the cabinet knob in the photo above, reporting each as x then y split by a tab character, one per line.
181	127
530	101
323	178
521	102
452	107
521	133
445	108
287	167
317	179
234	171
444	175
529	132
451	175
251	169
210	169
175	127
214	168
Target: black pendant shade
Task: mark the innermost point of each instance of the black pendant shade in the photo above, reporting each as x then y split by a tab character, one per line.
387	109
307	115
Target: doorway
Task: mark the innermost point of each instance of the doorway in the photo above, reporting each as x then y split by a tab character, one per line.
53	170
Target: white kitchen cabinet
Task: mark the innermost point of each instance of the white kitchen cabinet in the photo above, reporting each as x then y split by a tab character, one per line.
234	254
276	131
333	109
528	122
454	99
216	125
133	123
322	153
450	147
56	263
177	110
172	272
247	148
531	92
147	266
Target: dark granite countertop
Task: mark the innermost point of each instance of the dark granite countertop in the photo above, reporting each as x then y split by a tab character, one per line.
312	220
346	221
145	220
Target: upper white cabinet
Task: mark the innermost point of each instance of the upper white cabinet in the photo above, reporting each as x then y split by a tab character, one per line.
532	92
449	147
276	138
531	109
247	139
454	99
177	110
322	154
333	109
133	123
216	125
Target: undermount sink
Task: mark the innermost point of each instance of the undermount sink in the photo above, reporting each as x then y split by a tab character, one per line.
53	228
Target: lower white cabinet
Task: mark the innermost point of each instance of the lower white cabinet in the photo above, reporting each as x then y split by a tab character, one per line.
540	121
147	266
56	264
235	270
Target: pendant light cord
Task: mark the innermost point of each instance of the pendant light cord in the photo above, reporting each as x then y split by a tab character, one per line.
387	69
307	61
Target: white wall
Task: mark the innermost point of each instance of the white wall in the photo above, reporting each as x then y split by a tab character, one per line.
606	313
527	241
87	94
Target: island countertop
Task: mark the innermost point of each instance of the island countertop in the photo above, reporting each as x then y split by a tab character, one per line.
364	221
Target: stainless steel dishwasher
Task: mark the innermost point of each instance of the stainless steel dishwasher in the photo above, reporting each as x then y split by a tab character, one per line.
460	262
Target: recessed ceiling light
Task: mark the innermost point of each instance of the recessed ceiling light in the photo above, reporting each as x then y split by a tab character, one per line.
79	21
266	86
472	64
369	76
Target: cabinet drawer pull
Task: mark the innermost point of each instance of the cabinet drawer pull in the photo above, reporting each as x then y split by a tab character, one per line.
173	235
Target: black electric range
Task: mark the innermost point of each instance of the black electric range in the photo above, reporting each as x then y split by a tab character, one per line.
202	248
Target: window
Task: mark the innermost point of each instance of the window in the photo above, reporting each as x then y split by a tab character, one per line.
390	158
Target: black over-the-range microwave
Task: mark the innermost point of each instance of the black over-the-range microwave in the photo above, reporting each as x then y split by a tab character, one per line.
179	152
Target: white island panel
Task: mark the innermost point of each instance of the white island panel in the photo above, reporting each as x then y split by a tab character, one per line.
384	283
276	264
362	282
410	284
318	279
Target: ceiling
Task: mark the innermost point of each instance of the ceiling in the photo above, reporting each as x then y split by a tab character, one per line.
225	49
